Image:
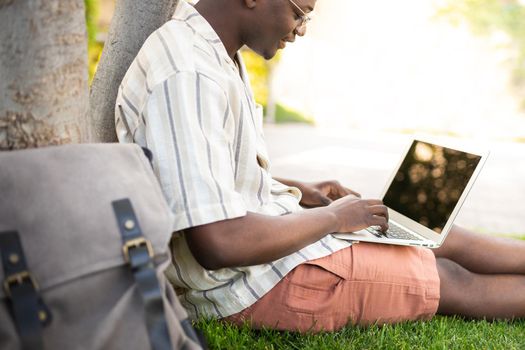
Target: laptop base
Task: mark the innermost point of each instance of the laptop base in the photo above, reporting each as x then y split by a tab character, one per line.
366	236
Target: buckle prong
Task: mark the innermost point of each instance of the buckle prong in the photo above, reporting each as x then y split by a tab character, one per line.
19	278
136	243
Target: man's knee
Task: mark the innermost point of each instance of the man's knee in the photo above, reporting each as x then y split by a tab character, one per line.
454	285
453	244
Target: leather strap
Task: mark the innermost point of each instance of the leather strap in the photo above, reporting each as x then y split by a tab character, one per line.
29	311
138	252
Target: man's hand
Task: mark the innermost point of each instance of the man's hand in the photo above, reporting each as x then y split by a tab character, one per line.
320	194
354	214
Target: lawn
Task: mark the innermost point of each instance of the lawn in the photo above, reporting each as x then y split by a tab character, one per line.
440	333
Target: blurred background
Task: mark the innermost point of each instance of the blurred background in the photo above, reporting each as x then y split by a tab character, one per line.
454	67
343	101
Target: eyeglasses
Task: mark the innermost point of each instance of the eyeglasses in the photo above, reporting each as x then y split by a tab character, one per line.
304	17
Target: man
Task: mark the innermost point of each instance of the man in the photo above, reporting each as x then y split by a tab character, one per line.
243	247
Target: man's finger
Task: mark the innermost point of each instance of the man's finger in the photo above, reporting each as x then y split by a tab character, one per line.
379	209
372	202
324	200
353	193
345	191
380	221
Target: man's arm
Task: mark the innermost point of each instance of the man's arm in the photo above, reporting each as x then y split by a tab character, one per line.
256	239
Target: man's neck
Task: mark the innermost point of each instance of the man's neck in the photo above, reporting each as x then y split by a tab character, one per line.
227	30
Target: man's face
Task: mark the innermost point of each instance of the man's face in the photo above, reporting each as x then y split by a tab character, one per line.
279	22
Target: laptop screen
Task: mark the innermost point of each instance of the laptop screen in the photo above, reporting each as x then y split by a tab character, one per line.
429	183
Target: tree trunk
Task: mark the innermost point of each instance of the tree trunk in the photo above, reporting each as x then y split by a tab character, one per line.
43	73
132	23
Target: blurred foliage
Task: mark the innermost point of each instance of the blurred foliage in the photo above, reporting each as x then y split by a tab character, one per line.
486	17
287	115
91	19
260	71
94	47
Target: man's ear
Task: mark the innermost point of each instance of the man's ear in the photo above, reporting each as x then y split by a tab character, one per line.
250	3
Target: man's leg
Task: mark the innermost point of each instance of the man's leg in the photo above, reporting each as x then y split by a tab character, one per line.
479	295
483	254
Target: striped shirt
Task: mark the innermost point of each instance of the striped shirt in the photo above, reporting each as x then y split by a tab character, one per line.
187	101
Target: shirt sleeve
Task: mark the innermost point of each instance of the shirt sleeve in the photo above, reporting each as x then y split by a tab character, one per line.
186	132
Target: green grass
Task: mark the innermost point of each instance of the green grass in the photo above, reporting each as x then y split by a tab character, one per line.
440	333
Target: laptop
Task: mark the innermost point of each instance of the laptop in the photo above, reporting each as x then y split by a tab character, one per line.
424	195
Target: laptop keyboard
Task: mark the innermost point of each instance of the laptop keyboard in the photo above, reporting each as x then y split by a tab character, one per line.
394	232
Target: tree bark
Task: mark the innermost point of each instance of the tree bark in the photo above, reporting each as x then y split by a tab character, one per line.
43	73
132	23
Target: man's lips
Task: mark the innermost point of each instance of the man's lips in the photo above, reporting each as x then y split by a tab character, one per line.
282	44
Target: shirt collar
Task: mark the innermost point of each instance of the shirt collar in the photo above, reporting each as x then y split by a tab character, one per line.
187	13
243	72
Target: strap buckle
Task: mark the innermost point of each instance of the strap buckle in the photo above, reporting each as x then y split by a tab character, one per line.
19	278
136	243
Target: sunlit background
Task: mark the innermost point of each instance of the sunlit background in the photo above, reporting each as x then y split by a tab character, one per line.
341	101
410	65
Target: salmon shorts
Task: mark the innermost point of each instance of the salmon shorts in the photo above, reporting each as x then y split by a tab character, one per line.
361	285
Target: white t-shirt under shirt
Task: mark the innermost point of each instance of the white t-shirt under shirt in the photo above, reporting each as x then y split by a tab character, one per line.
185	99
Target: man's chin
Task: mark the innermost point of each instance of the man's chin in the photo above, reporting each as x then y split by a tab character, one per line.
267	54
270	55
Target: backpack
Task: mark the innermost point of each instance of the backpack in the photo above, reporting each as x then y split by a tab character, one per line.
84	232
